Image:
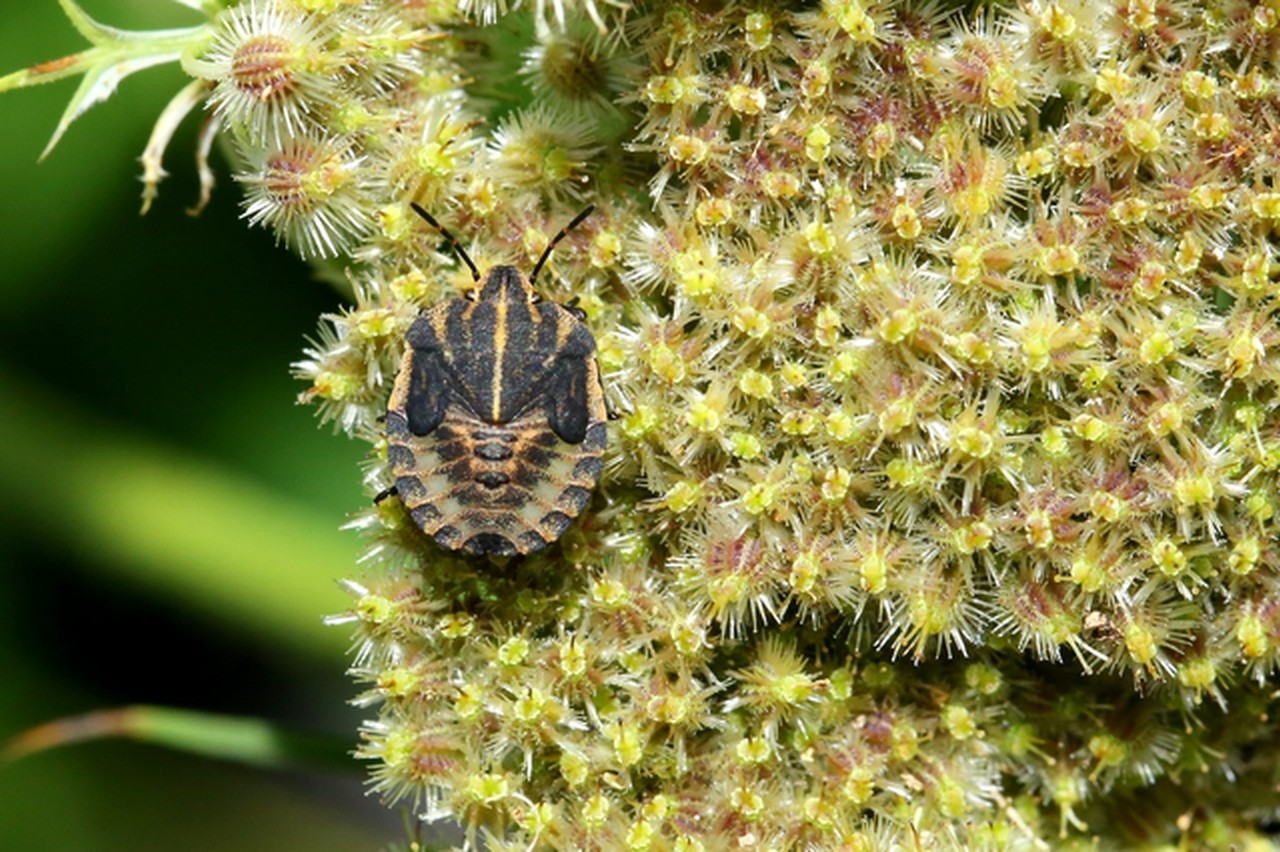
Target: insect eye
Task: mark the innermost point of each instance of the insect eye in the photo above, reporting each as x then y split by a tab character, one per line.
537	298
470	294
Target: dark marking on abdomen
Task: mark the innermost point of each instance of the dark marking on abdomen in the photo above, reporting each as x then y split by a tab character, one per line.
556	523
494	452
532	541
451	450
596	438
492	544
425	515
411	490
576	498
448	536
400	457
589	468
397	426
492	478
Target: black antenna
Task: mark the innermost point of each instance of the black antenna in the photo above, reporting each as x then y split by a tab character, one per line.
457	246
577	220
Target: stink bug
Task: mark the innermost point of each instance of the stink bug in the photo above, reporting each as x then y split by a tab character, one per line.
496	422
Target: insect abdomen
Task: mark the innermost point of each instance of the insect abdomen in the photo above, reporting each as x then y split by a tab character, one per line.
501	490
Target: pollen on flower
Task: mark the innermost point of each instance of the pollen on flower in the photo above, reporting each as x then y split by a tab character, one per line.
1114	81
336	386
688	149
1080	154
906	221
435	158
605	248
852	18
745	445
840	426
1194	489
683	496
873	570
1212	126
1038	342
667	363
744	99
799	423
1036	162
704	416
1130	211
668	89
820	240
973	537
817	143
1091	428
752	322
835	484
640	422
806	568
713	212
974	442
1058	259
898	325
780	184
756	384
1143	136
760	498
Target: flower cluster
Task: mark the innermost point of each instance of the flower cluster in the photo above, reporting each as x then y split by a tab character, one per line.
944	344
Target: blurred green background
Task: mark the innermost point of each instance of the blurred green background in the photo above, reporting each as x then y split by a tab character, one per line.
168	515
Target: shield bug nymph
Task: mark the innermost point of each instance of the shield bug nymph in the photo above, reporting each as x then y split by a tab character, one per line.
496	422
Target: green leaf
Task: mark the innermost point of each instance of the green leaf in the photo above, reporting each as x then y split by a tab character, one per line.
195	533
238	739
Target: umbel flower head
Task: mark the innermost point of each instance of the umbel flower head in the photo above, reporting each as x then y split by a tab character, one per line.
943	478
939	508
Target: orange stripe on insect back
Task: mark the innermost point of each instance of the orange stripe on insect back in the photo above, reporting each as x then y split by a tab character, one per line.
563	330
530	302
440	325
499	350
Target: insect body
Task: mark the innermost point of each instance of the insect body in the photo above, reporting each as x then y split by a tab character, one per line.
496	422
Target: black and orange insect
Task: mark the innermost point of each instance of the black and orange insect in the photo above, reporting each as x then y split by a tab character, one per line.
496	422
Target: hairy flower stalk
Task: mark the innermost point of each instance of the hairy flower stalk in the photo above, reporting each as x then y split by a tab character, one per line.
940	505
